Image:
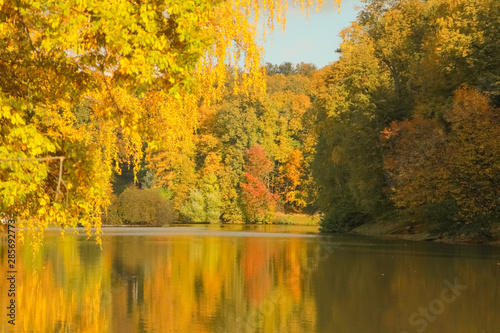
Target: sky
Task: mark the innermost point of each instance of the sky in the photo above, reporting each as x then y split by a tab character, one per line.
311	41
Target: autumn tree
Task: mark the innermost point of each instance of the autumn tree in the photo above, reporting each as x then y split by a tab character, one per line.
274	121
418	179
473	158
348	161
450	176
401	61
258	201
292	177
432	48
458	48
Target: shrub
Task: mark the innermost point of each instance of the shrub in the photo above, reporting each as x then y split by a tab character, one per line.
143	207
204	204
112	217
283	219
194	207
344	220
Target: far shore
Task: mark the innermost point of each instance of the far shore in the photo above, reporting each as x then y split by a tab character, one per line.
386	230
398	230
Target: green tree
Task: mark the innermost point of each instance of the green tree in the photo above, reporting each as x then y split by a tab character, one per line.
204	204
194	207
348	161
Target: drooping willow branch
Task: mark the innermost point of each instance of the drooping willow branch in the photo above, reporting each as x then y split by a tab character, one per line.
23	159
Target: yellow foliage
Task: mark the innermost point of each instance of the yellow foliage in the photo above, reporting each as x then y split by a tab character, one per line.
140	70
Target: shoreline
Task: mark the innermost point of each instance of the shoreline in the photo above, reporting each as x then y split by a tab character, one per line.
398	230
384	230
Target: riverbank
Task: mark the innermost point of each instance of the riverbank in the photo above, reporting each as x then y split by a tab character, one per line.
419	232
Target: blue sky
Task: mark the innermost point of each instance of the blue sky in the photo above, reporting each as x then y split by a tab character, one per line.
314	40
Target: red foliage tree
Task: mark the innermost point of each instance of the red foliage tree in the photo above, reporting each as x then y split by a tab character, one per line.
258	201
257	164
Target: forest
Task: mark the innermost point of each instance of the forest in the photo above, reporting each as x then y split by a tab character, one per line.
403	127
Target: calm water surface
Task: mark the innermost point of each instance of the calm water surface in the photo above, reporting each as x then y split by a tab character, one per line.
252	279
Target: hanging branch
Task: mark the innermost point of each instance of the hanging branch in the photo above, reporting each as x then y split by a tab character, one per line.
60	158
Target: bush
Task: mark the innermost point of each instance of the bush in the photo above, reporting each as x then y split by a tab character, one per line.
283	219
142	207
112	217
445	216
344	220
204	204
194	208
441	214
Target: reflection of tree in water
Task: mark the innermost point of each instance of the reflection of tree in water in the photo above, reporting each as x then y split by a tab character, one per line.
376	287
89	253
127	267
130	277
57	291
253	284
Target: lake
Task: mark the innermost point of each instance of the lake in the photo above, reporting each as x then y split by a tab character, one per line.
238	278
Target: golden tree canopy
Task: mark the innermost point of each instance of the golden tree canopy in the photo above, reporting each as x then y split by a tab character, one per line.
86	83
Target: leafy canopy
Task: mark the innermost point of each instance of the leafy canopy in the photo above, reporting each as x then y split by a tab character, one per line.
140	69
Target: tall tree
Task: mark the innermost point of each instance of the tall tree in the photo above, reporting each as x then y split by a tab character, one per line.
292	178
348	162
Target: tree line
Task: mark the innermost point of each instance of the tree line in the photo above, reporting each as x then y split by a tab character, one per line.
409	120
403	126
97	82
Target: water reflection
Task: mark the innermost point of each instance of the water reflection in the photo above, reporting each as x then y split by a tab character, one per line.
209	280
